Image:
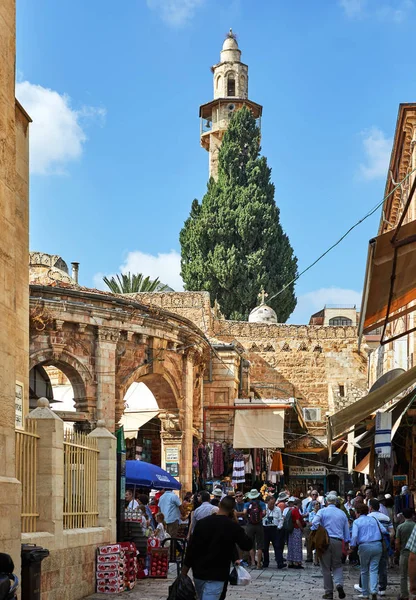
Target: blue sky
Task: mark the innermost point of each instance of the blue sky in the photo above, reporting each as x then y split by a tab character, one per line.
114	91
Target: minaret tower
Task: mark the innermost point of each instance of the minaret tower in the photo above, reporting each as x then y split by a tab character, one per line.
230	94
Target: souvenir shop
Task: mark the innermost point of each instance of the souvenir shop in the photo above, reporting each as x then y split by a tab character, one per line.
220	463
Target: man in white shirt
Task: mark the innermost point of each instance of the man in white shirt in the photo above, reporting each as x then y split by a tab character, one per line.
132	504
273	532
205	510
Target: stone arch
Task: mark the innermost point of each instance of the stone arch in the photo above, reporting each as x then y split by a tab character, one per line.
79	376
230	84
162	387
218	81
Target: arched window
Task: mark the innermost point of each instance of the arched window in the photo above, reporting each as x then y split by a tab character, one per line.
217	82
343	321
231	86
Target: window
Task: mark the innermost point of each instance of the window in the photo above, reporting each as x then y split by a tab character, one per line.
340	321
342	391
231	86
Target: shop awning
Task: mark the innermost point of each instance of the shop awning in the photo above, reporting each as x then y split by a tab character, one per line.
342	421
259	429
389	282
364	465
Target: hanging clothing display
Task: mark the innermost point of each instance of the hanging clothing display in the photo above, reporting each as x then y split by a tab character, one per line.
277	463
218	461
238	468
248	464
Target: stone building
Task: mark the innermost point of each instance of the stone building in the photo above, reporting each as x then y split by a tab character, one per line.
14	298
230	78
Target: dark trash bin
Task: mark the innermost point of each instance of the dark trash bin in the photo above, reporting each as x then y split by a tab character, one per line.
32	557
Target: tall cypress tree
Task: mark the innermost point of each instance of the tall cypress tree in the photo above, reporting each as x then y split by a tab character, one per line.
232	243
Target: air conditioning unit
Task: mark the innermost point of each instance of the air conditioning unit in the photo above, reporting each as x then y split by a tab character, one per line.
312	414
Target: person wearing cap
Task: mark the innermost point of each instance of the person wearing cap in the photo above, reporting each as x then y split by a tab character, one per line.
254	511
348	502
273	533
282	498
335	521
217	493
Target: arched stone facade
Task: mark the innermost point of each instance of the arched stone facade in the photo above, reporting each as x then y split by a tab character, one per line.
105	342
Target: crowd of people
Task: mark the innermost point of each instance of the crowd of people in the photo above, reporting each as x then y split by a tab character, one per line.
238	528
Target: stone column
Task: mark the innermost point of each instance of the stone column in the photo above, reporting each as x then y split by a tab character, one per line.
107	478
50	475
171	445
188	420
105	368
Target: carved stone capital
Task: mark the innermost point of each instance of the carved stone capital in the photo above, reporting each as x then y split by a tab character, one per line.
108	334
59	323
57	349
82	327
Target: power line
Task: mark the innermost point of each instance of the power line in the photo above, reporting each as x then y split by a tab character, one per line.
370	212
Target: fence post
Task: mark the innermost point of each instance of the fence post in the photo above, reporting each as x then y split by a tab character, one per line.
107	482
50	477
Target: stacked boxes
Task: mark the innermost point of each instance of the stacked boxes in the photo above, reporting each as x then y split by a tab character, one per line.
116	568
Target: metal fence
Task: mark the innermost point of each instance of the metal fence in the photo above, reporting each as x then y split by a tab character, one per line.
26	469
80	481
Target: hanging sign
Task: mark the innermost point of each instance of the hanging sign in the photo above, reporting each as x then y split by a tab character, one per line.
307	471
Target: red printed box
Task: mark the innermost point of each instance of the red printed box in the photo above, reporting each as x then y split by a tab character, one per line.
110	589
110	558
109	574
111	548
107	568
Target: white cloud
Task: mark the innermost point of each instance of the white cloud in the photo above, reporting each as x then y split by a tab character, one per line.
352	8
377	149
57	134
165	266
395	11
175	12
312	302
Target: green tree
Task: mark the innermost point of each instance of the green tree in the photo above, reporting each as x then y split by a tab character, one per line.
130	284
233	244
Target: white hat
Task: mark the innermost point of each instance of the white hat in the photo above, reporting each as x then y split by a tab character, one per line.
217	492
282	496
292	499
253	494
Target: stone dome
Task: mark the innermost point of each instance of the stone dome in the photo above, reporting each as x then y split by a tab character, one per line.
262	314
230	51
230	43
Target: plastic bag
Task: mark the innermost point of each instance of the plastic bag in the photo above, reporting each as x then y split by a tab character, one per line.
182	589
243	576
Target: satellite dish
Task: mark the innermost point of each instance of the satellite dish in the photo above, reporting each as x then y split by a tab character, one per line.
389	376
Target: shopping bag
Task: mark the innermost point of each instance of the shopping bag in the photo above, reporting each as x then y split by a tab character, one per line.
182	589
243	576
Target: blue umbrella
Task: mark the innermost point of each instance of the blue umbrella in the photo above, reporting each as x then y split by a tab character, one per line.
144	474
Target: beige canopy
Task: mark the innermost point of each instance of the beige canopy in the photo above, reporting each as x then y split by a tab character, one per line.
259	428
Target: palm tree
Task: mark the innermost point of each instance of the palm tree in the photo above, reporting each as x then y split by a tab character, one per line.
130	284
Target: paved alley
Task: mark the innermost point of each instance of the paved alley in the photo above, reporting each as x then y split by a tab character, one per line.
267	584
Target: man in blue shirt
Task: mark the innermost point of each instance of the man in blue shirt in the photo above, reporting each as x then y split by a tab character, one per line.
170	505
335	521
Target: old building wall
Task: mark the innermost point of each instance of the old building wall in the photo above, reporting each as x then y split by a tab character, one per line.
320	366
13	278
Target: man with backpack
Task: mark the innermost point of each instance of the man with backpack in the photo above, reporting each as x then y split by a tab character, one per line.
254	511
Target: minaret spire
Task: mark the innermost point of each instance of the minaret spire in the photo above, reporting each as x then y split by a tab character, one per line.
230	78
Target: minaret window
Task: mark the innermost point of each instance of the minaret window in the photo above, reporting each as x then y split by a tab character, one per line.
231	86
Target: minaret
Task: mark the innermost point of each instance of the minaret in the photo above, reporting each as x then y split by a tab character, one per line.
230	94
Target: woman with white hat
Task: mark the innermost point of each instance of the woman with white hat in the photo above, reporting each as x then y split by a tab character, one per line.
218	494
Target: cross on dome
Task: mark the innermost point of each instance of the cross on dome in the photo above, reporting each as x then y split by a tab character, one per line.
263	295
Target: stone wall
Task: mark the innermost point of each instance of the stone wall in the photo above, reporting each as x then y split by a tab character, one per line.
69	574
13	277
305	362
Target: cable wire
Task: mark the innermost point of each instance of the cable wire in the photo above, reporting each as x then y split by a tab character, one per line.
370	212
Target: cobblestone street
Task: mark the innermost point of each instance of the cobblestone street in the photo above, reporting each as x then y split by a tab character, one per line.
267	584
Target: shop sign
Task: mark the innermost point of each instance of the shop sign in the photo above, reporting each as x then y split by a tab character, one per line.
307	471
400	479
18	418
172	469
172	455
